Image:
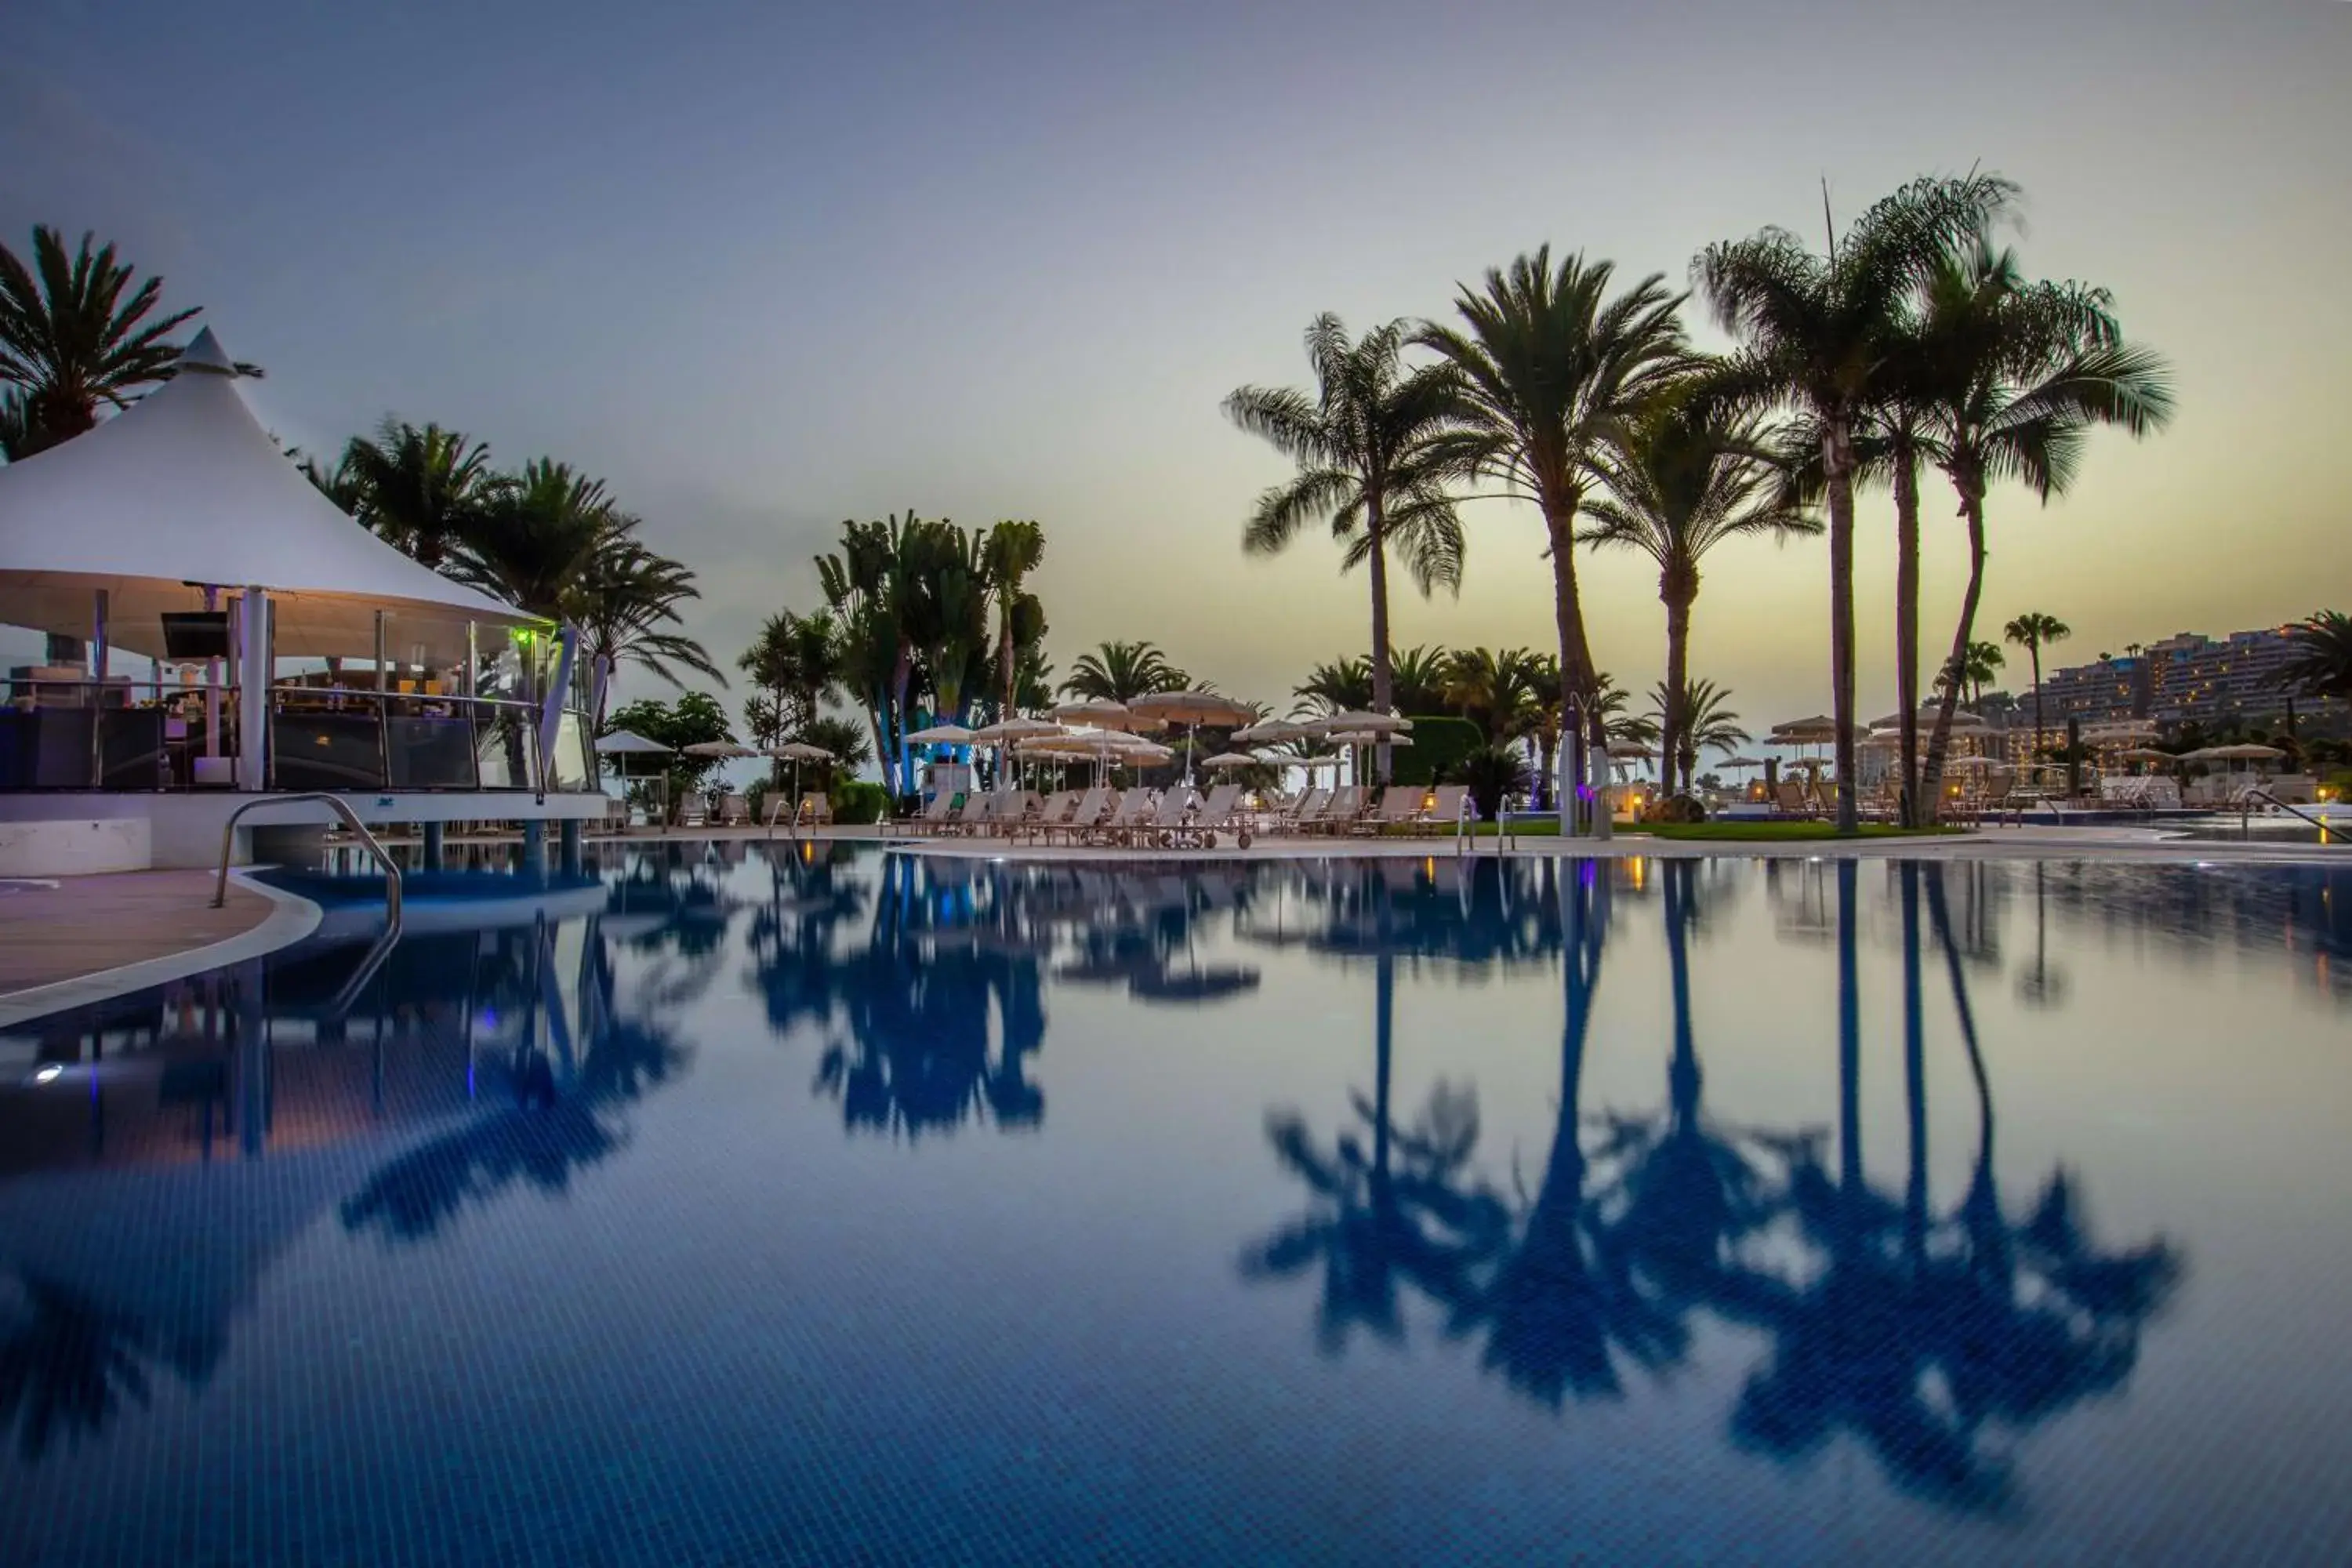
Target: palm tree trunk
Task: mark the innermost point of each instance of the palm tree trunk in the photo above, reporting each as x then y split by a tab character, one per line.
1575	658
1004	662
1849	1033
1907	625
1678	595
1931	784
2033	651
1837	462
1915	1075
1380	682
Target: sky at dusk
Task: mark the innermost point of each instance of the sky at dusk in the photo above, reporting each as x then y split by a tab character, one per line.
766	267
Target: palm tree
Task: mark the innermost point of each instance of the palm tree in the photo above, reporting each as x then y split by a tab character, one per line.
1366	448
625	603
1417	679
534	537
1706	722
1343	686
17	440
1820	333
2022	371
1690	472
2322	663
421	489
799	660
1121	672
1014	550
1494	691
1551	366
72	338
2033	631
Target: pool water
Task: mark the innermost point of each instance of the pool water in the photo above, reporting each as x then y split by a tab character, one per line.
835	1205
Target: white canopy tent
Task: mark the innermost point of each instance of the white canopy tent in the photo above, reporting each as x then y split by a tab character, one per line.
185	489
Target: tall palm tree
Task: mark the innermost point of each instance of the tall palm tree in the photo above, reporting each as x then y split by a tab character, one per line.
74	333
1368	465
1690	472
2322	663
1121	672
423	488
1014	550
2034	631
2022	371
1552	367
1820	333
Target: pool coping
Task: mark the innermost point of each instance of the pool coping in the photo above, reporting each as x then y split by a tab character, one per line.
291	917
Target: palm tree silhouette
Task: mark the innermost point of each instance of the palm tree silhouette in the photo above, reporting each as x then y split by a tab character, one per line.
1686	1193
1919	1334
65	1364
1400	1214
1563	1306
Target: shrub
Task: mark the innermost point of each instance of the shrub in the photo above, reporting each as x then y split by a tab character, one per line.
858	801
1678	808
1440	742
1491	773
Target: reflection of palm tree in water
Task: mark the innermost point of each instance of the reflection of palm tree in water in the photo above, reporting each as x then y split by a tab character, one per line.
1917	1335
1686	1193
914	1008
1563	1306
551	1128
1396	1216
65	1364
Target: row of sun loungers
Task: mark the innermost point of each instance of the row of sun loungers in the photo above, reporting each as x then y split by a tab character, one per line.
1180	819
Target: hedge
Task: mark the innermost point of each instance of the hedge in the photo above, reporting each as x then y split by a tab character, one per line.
1440	741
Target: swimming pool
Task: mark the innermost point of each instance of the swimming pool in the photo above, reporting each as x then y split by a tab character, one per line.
836	1205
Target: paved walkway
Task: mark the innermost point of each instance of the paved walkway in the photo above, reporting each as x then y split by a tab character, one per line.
2154	846
63	928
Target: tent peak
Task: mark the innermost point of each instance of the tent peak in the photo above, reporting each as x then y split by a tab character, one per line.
205	353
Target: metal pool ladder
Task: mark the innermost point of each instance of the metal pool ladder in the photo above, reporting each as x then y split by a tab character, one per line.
2327	833
342	808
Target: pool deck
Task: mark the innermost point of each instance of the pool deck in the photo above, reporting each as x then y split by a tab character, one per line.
2150	845
69	940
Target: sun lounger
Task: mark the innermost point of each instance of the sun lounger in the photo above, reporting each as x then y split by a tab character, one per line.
734	811
693	811
1082	818
1305	809
1132	815
1400	806
1446	810
1052	814
934	812
1170	816
1339	814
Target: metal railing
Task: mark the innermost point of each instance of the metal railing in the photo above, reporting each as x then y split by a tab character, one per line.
2246	811
342	808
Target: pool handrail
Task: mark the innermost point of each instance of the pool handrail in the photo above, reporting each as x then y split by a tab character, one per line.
2246	810
342	808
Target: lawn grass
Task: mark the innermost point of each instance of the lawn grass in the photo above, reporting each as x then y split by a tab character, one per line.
1777	832
1722	832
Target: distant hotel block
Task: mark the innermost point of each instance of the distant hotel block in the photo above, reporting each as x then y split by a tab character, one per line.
2184	679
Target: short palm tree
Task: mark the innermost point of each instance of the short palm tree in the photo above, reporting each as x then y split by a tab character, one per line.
627	602
74	333
2034	631
2322	662
2023	370
1343	686
1121	672
1496	690
535	536
1369	465
423	488
1551	366
1704	721
1819	333
1690	472
1417	679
